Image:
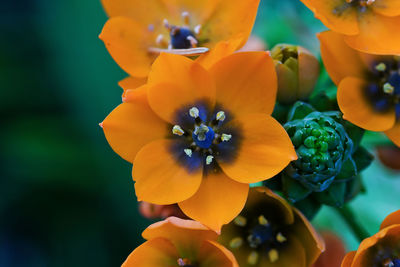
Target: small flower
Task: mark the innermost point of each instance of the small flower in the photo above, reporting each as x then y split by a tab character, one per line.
381	249
138	30
181	243
329	159
298	72
269	232
198	137
370	26
368	85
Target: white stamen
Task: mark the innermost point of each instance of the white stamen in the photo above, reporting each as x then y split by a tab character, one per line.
188	152
197	51
380	67
192	40
201	132
161	41
166	24
262	220
177	130
220	116
209	159
280	237
226	137
197	29
194	112
170	47
186	17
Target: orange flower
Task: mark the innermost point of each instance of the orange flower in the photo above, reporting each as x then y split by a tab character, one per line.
368	85
381	249
271	233
371	26
178	242
198	137
139	30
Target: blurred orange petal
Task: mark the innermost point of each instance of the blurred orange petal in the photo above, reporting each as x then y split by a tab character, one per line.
265	149
127	42
217	202
160	179
334	253
352	102
394	134
214	254
389	8
391	219
348	259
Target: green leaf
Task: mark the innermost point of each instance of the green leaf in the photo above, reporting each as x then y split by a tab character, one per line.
299	111
309	207
293	190
354	132
333	196
349	170
362	158
322	102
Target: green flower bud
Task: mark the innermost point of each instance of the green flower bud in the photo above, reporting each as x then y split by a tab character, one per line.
322	145
297	70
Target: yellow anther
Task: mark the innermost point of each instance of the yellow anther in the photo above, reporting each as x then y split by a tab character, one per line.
280	238
380	67
262	220
188	152
226	137
388	88
240	221
178	130
220	116
236	242
194	112
209	159
252	259
273	255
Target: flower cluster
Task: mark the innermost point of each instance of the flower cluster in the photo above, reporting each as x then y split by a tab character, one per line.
201	122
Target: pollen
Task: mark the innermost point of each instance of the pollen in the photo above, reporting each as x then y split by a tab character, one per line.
236	242
177	130
240	221
188	152
209	159
252	259
388	88
226	137
281	238
262	220
194	112
220	116
381	67
273	255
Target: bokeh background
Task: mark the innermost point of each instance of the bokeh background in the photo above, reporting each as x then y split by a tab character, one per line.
66	199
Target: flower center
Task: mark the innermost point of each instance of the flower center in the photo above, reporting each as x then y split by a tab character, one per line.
182	39
360	5
384	90
262	236
203	138
183	262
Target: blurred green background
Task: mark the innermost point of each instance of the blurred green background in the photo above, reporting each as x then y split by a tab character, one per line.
66	199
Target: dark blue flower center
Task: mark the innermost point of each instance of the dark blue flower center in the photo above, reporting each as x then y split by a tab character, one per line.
396	263
383	90
203	136
181	38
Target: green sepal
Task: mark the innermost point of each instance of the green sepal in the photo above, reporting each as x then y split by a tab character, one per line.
299	111
294	190
333	196
322	102
309	207
348	171
354	187
354	132
362	158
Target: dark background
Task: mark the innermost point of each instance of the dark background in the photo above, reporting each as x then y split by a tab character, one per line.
66	199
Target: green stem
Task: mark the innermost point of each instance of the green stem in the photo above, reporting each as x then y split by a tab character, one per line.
348	215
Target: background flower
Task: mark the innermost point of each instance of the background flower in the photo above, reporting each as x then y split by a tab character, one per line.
177	242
